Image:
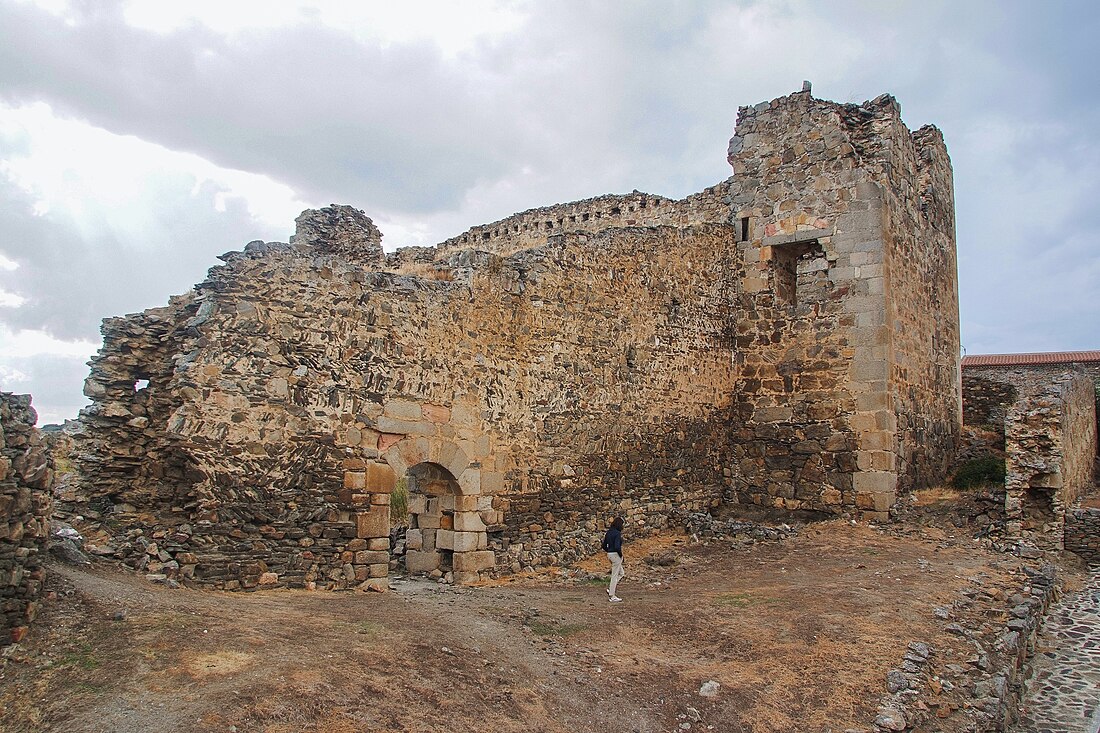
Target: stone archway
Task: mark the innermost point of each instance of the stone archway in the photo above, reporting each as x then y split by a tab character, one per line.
445	496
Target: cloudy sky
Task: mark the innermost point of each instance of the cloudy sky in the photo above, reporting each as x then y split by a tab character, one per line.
140	139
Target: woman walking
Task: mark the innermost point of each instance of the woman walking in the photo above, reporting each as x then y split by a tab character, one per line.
613	546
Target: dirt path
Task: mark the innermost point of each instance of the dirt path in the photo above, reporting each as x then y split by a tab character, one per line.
798	634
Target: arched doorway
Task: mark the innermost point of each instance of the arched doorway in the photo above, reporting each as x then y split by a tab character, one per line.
445	496
429	539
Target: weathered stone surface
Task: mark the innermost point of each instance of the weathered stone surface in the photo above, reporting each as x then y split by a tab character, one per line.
474	561
25	508
619	355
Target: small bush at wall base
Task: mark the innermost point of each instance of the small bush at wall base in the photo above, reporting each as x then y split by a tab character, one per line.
399	503
980	472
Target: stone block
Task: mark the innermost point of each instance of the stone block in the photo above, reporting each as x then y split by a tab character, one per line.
876	440
379	543
474	561
418	504
355	480
380	570
417	561
380	478
428	521
429	539
269	578
373	524
414	539
464	503
873	460
465	541
444	539
454	459
402	409
466	578
387	440
875	482
468	522
368	557
492	482
414	450
379	499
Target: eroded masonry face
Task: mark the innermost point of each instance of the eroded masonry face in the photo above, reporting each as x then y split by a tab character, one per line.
786	339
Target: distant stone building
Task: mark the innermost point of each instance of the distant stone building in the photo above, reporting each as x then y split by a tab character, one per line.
787	339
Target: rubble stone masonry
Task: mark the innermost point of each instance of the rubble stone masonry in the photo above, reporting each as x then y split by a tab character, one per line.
25	477
1050	439
787	338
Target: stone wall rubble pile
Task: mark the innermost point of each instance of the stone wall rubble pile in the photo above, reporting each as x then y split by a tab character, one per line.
25	479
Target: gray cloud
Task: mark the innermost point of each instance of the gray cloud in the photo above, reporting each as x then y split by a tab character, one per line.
73	277
583	99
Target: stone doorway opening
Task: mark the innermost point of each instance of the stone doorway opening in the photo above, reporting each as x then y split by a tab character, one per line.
431	491
440	524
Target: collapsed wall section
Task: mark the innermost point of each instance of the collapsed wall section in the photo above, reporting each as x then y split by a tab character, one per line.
25	479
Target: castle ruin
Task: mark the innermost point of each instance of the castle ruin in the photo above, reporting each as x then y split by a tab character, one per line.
787	339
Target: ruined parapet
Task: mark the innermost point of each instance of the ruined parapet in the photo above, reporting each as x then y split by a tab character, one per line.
531	228
339	229
1050	439
25	480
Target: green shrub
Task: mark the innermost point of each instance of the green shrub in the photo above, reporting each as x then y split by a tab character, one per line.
981	471
399	503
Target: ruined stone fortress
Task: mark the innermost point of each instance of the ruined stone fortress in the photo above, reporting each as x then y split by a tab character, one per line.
787	339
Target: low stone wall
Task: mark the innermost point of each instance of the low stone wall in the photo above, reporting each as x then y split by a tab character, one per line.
1082	534
25	478
983	695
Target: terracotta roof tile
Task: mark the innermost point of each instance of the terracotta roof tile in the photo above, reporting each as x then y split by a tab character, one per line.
1053	357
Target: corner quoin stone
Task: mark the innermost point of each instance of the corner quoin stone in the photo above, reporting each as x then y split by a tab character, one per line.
375	523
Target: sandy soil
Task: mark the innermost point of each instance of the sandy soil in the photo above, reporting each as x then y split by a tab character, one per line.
799	634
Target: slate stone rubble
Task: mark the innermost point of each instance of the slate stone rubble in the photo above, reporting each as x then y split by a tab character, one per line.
769	341
26	476
982	693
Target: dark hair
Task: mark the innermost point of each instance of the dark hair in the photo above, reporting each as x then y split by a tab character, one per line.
617	522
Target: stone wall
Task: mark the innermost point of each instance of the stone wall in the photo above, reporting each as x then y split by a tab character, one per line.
307	384
761	342
1050	439
25	477
1082	533
986	399
989	390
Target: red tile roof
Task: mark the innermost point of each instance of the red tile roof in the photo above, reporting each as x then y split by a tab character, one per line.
1054	357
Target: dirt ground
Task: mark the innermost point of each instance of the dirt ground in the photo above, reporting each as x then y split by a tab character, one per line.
799	634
